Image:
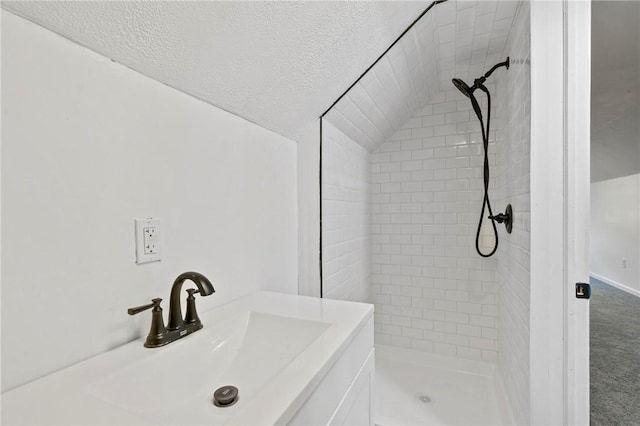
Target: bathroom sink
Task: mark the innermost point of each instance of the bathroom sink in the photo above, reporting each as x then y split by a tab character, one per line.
244	351
274	348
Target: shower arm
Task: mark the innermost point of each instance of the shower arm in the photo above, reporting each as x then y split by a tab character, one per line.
495	67
478	83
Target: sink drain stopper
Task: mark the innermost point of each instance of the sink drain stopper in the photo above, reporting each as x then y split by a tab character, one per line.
225	396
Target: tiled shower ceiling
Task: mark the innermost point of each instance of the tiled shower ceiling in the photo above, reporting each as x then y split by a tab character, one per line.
460	39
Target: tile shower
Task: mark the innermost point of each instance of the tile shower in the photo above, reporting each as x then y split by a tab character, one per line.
433	291
402	192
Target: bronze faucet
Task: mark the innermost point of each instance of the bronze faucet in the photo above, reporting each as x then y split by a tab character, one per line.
178	327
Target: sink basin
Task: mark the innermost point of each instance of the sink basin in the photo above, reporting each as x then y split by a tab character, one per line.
274	348
244	351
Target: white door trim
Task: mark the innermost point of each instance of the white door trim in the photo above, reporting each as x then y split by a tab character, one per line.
560	34
547	225
577	206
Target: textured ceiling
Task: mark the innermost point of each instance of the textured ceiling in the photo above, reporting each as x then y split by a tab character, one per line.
281	64
615	101
278	64
460	39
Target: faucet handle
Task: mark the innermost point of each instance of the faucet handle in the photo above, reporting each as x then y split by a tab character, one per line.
155	303
157	333
192	315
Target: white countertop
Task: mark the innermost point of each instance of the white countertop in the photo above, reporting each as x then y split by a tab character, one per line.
77	395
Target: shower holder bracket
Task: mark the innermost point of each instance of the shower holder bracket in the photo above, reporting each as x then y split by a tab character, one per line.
506	218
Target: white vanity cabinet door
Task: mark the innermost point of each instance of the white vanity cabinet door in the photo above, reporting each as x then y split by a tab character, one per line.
344	396
356	407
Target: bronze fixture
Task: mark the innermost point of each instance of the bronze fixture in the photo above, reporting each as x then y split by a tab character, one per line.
463	87
159	335
225	396
506	218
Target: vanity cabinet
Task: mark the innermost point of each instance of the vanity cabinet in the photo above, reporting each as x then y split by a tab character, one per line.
295	360
344	396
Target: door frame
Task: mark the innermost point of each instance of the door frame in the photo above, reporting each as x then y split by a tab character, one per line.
577	205
560	128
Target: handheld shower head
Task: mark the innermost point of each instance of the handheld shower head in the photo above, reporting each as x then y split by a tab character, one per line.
462	86
468	92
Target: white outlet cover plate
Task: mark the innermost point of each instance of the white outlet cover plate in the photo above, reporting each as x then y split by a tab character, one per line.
145	253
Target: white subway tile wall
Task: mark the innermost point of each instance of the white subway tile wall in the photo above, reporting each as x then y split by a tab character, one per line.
431	290
346	228
514	104
422	198
461	39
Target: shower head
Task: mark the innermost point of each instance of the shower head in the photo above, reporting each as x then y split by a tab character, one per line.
468	92
478	83
463	87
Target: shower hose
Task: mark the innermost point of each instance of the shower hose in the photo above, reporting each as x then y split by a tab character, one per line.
486	203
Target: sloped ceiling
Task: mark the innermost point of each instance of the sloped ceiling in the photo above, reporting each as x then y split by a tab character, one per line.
278	64
281	64
460	39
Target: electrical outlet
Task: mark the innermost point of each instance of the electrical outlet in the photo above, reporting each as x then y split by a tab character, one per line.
624	263
150	239
147	240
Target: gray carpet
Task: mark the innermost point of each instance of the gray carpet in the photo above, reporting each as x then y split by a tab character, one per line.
615	356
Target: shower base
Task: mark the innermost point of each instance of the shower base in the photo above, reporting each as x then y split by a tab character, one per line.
417	388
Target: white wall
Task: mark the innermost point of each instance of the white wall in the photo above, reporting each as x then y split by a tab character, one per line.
513	187
346	240
432	291
615	232
615	91
89	145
